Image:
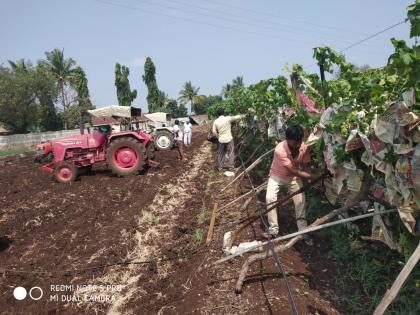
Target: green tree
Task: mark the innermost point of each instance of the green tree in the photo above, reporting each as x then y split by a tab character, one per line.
63	70
189	93
20	65
17	102
155	99
124	94
413	15
171	107
118	83
80	84
226	90
47	91
238	82
44	88
27	100
182	110
71	114
162	101
207	101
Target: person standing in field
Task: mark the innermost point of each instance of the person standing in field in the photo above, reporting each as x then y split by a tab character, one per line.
178	140
222	129
187	133
290	165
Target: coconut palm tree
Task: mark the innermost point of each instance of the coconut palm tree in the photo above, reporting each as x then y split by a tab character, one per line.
189	93
20	65
226	90
238	82
62	69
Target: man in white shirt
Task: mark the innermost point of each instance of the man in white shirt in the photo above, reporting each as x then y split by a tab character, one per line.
187	133
222	129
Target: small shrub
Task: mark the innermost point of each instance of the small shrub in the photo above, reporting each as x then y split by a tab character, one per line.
198	235
203	216
148	217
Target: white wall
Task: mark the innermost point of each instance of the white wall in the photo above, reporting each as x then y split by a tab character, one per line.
31	139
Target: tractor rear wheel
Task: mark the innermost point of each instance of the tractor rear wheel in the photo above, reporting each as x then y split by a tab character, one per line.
65	172
125	156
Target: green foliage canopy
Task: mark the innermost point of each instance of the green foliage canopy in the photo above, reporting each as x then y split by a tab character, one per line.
27	101
189	93
125	95
155	97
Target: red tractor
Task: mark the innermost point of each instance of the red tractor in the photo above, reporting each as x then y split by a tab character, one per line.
125	153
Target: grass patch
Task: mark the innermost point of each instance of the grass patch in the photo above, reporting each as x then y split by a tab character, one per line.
203	215
373	267
15	151
198	235
210	178
375	270
148	217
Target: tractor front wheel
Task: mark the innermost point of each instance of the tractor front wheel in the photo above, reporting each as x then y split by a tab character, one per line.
65	172
164	140
125	156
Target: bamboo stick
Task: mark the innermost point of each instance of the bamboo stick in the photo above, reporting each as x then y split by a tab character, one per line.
249	168
396	286
211	226
258	189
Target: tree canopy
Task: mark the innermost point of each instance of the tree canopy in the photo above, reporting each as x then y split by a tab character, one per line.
62	69
155	97
189	93
28	98
124	94
30	94
80	83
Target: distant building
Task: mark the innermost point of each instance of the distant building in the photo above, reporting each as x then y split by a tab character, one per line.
3	130
193	119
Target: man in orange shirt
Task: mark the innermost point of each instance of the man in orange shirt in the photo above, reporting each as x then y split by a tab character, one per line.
289	166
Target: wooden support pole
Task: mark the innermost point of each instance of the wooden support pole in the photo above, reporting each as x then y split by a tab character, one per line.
392	293
252	154
258	189
211	226
246	203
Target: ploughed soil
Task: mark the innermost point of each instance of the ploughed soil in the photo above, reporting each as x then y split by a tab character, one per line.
135	245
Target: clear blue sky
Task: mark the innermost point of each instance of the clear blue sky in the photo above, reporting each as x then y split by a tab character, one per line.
207	42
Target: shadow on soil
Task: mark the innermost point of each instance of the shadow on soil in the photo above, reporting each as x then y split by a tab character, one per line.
4	243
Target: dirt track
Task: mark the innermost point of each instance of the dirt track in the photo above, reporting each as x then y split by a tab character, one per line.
149	219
